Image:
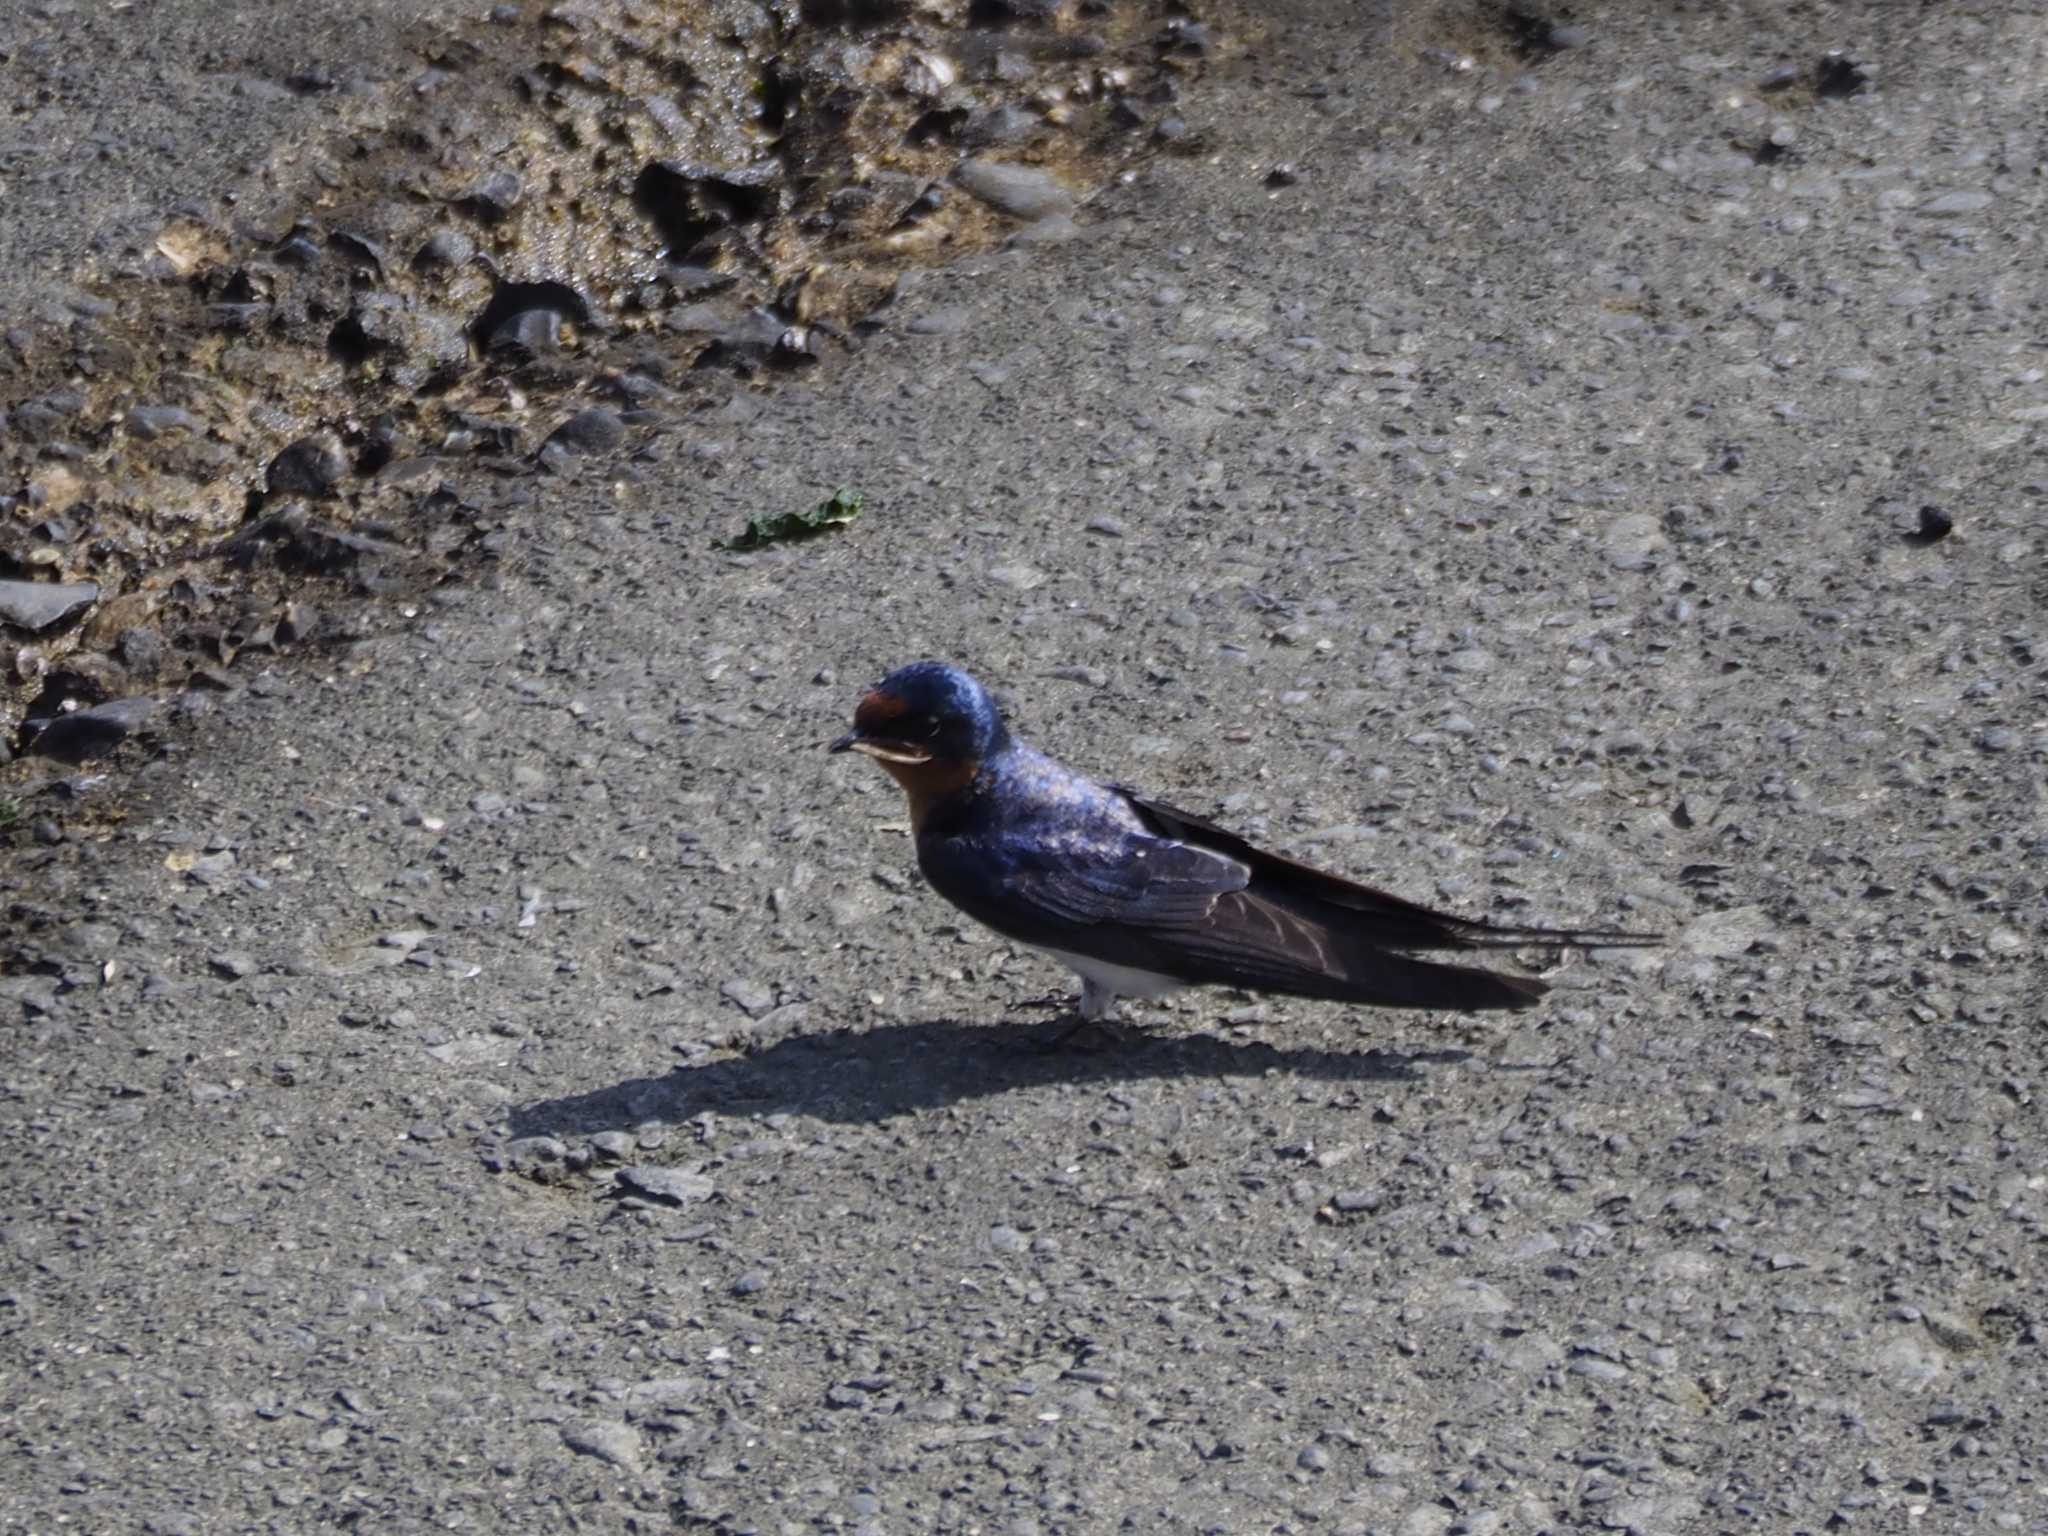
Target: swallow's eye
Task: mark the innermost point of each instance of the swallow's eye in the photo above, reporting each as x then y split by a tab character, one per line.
931	729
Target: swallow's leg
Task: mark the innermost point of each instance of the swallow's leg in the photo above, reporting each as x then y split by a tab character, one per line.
1097	1001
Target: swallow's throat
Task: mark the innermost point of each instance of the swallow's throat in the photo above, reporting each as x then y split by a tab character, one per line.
930	780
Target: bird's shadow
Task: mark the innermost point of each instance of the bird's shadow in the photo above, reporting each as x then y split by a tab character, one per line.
870	1075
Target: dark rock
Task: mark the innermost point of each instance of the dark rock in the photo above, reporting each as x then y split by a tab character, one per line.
1840	74
141	651
1003	13
298	542
595	430
38	605
669	1186
297	250
1935	525
45	417
86	734
689	282
238	316
444	248
312	466
527	317
494	194
1001	126
358	251
690	203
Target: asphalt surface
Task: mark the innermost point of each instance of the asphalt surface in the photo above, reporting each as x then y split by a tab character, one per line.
500	1074
120	115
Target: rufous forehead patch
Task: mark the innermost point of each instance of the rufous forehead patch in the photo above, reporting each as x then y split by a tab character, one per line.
877	706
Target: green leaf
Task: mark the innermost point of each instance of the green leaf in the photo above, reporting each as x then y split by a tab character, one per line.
836	510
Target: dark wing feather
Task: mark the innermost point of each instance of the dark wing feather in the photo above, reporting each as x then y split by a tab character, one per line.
1192	912
1381	918
1160	884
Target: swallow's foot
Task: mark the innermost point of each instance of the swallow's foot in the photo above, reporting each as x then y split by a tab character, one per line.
1090	1037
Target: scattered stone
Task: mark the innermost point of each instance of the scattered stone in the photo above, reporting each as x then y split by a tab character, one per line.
1094	677
749	994
668	1186
939	322
234	964
1021	191
1726	933
1949	205
39	605
1018	578
607	1440
1634	540
527	1153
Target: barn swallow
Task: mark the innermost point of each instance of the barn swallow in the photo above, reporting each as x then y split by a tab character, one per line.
1141	899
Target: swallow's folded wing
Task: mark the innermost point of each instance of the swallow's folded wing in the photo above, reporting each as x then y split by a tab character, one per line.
1142	881
1087	893
1374	915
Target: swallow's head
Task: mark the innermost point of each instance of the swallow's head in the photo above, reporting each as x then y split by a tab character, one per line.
927	718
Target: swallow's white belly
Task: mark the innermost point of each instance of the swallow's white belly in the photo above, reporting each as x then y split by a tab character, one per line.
1103	983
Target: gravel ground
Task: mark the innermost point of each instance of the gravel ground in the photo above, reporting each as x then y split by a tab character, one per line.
499	1074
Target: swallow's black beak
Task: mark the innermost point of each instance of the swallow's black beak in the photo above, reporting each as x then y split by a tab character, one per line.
844	743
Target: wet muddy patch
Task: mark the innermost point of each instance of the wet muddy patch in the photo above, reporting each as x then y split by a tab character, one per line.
574	226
